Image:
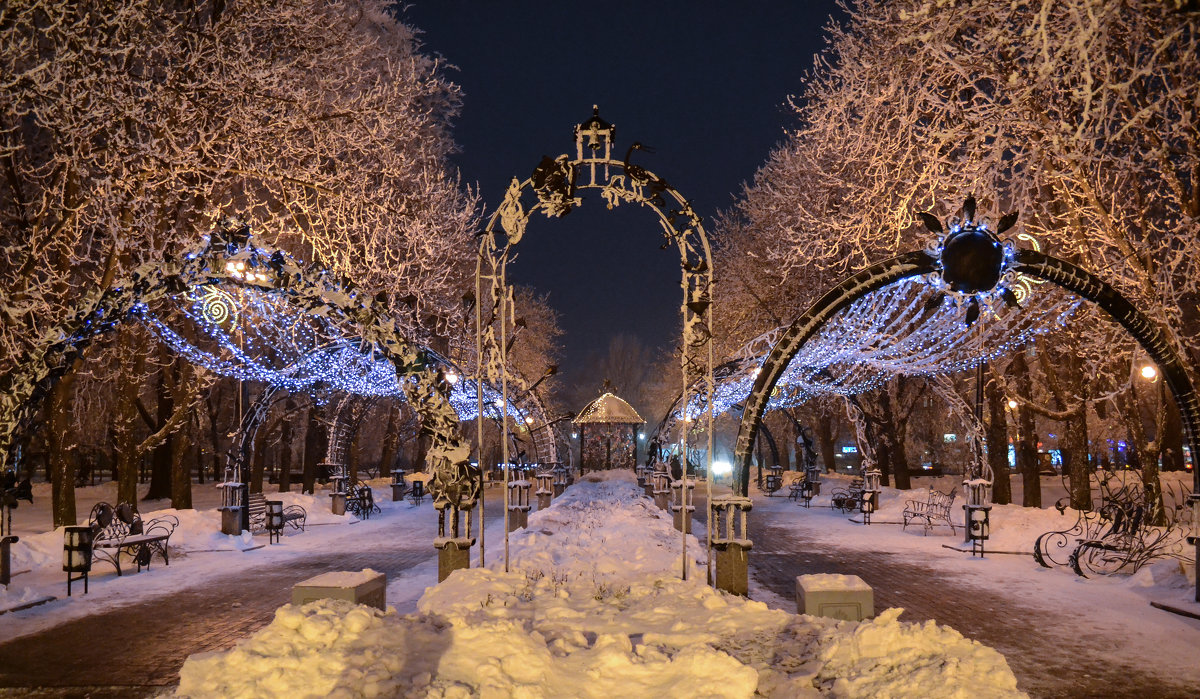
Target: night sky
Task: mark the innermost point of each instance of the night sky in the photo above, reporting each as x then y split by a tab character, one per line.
704	83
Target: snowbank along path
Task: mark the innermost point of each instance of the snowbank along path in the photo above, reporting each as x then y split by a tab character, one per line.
593	607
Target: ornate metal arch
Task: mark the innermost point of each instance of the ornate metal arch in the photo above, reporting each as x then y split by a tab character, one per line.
551	190
1029	262
228	257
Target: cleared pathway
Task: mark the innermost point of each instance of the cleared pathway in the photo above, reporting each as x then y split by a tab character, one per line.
137	650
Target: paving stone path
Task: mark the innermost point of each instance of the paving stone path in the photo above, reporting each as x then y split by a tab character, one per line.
136	651
1053	654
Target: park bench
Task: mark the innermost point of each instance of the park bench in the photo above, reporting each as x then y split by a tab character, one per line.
847	499
936	507
121	530
360	501
796	488
294	515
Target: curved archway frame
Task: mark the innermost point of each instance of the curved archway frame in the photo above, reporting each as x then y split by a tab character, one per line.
554	184
1149	335
22	391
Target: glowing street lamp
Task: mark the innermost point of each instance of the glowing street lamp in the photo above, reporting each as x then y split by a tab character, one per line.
1012	404
1149	372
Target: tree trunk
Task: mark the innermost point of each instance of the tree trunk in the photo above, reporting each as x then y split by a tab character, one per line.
285	449
1027	455
128	456
824	435
997	444
314	449
160	460
390	441
181	480
1075	460
61	451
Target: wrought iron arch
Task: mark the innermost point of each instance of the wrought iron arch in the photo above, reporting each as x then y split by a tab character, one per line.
552	190
228	257
1149	335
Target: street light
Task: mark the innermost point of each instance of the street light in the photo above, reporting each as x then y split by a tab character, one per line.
1012	404
1149	372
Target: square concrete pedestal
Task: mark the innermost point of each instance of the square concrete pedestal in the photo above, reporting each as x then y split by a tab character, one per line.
231	520
544	500
844	597
517	519
683	519
733	568
364	587
337	503
452	558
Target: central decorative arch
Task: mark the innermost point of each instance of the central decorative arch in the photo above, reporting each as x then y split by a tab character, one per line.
552	190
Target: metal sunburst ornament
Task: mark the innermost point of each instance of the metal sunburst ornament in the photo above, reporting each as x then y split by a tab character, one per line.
973	260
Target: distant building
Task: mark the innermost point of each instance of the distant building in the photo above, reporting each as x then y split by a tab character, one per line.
608	430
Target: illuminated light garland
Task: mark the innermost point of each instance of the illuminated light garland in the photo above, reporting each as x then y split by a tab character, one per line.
891	332
287	348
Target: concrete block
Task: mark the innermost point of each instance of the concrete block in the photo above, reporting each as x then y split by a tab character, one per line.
662	499
844	597
683	519
231	520
337	503
733	569
517	519
367	587
452	558
544	500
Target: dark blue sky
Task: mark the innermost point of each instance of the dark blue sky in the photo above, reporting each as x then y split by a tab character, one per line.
704	83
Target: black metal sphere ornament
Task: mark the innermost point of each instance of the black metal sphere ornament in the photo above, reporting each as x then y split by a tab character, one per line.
972	258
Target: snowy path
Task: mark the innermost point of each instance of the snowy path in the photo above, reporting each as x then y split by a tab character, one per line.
136	650
1057	642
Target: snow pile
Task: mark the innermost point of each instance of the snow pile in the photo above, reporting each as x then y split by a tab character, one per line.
593	607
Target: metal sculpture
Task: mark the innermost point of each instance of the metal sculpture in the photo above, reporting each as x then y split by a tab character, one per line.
983	277
1117	535
228	257
555	185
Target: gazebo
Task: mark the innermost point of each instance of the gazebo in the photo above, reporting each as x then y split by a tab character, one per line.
608	429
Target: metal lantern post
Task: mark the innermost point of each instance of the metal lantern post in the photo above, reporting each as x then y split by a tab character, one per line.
978	512
870	494
274	520
77	555
398	485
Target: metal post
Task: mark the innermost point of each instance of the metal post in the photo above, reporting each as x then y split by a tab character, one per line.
479	373
504	391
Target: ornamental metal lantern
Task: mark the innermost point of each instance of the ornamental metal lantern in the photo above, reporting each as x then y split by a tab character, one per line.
978	509
274	520
870	493
77	554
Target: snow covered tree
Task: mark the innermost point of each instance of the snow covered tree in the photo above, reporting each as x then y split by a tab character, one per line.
1079	114
127	131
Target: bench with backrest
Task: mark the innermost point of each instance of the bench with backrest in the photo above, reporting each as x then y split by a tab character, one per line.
294	515
796	488
360	501
935	508
121	530
847	499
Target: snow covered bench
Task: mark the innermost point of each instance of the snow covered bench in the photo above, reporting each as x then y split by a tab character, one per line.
292	514
122	531
935	507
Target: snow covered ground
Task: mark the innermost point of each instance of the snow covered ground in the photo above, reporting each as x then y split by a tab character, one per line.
592	607
199	551
1115	608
